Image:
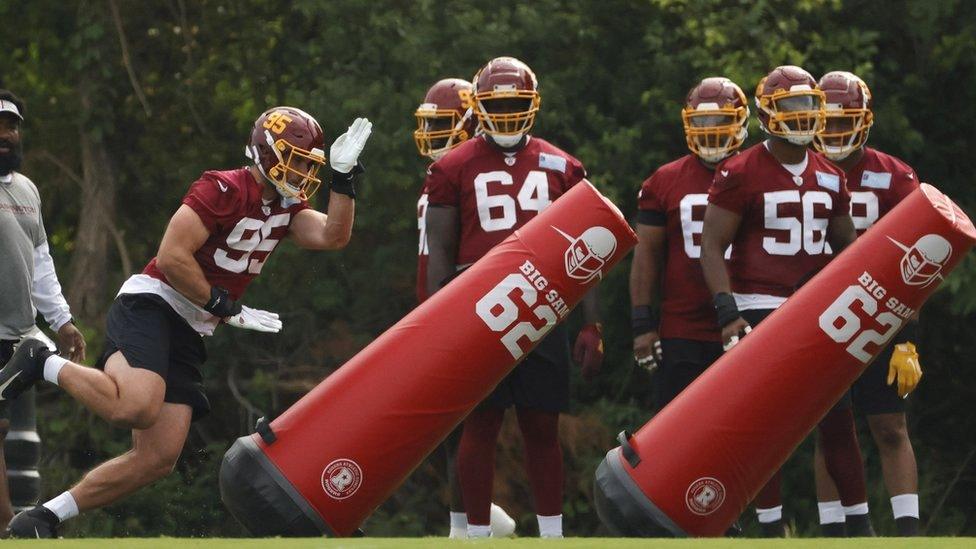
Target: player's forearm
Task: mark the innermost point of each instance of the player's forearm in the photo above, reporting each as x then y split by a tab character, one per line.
338	225
185	275
643	279
591	306
713	268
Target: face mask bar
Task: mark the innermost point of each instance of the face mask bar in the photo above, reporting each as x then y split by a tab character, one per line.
796	114
504	124
431	140
838	144
714	134
308	183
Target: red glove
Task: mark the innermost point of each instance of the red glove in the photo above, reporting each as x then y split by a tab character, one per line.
588	351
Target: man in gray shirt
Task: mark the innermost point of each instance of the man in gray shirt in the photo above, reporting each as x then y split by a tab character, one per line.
28	283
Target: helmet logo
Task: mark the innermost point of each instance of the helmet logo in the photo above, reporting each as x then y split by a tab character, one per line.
588	253
923	262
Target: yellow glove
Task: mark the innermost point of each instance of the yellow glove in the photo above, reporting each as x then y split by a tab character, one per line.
904	367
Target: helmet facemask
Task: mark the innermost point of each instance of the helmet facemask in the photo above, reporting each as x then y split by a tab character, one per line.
506	113
296	173
439	130
714	133
797	115
845	131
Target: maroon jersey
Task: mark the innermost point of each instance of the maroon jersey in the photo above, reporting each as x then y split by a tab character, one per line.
675	196
243	228
877	184
496	192
422	252
783	234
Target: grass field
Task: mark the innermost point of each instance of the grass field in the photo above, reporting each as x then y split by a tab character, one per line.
569	543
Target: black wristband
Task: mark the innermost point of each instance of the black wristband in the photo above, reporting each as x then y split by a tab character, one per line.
644	319
909	332
342	183
220	304
726	310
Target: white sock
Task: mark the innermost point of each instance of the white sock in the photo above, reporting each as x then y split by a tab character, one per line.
856	509
550	527
831	512
52	367
905	505
459	525
770	515
479	530
63	506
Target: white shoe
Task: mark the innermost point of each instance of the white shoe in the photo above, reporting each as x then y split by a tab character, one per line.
502	525
458	533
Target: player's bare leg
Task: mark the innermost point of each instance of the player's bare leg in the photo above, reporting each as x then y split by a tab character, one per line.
154	453
124	396
898	467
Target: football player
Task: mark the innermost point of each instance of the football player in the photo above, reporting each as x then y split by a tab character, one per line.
478	195
148	378
779	205
444	121
682	338
877	182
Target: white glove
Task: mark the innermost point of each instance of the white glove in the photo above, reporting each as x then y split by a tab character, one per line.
344	153
255	319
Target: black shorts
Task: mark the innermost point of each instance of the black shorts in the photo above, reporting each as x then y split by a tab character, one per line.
6	351
683	360
151	336
871	392
755	316
541	380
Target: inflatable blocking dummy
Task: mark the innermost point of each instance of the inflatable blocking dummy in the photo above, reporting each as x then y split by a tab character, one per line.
695	466
339	452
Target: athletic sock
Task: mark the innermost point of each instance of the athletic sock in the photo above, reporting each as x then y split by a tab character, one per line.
550	527
771	521
459	525
479	531
831	518
52	367
63	506
904	507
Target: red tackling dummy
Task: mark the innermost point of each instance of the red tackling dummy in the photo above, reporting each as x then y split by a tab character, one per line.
339	452
695	466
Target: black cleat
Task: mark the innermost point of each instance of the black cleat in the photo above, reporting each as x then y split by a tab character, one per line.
38	522
24	369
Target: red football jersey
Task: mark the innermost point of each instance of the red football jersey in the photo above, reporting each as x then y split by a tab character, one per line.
877	184
783	234
243	228
677	194
422	252
497	192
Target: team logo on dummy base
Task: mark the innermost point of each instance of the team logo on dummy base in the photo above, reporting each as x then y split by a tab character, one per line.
923	261
588	253
705	496
341	478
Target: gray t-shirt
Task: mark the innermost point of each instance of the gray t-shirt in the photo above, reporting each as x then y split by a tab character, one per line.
21	230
